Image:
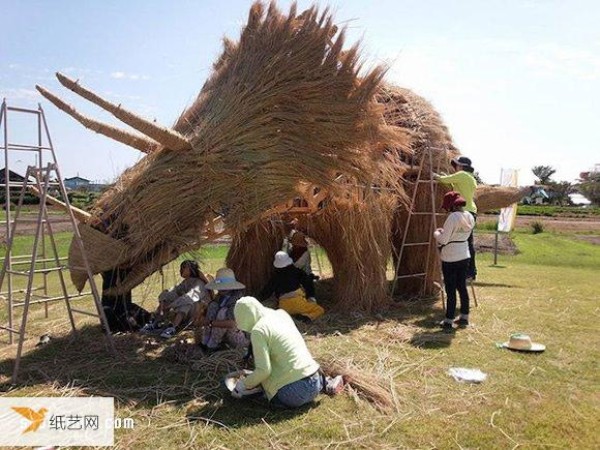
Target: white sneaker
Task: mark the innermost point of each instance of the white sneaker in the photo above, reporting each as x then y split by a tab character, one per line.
334	385
168	333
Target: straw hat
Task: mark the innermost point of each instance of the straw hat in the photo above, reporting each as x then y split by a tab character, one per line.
225	280
522	342
298	239
282	259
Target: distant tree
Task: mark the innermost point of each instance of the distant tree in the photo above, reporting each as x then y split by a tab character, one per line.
543	173
559	192
590	187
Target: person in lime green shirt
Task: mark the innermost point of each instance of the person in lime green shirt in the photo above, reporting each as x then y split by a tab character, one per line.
283	365
463	182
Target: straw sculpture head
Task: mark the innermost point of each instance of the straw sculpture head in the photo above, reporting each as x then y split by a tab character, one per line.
284	104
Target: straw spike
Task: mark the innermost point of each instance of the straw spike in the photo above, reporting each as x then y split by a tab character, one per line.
167	137
79	214
140	143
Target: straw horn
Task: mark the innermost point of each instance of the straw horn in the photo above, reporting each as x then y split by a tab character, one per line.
167	137
79	214
140	143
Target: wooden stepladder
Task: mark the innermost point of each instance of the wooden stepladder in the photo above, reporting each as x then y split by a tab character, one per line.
39	180
424	178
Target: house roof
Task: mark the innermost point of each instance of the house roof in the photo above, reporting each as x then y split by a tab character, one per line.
77	179
12	176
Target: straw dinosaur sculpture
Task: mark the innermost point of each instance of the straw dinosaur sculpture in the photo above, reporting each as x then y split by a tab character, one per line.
284	114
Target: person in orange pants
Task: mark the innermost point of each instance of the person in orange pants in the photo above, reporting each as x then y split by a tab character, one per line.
293	289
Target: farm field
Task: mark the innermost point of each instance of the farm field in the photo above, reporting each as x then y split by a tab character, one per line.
532	401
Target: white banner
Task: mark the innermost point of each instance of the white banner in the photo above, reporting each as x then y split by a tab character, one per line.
57	421
506	221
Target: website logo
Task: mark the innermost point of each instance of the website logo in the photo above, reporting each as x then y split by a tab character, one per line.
58	421
36	418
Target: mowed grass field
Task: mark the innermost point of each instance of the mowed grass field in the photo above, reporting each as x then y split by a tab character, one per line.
550	400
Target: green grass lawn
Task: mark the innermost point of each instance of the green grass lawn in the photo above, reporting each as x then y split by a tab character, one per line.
548	400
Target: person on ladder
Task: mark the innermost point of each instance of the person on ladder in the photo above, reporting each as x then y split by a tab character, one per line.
454	252
463	182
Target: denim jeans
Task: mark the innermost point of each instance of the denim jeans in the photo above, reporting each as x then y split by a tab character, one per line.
455	278
299	392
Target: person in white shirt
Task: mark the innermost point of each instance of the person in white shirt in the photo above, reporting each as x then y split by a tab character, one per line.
454	252
181	299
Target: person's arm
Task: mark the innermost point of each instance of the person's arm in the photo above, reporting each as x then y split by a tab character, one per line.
262	361
444	235
227	322
303	262
169	295
449	179
222	323
306	283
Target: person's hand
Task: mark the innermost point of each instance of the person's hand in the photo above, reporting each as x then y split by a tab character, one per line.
239	389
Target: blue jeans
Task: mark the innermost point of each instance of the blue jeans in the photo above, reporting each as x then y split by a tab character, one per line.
299	392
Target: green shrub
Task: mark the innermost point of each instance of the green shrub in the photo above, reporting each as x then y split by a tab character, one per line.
537	227
554	211
487	226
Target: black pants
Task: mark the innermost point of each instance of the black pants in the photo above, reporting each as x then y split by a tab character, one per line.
455	279
472	270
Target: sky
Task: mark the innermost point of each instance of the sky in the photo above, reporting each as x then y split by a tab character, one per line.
516	82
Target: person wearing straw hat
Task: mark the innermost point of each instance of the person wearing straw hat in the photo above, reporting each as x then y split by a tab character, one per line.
181	299
219	328
292	288
283	365
454	253
463	182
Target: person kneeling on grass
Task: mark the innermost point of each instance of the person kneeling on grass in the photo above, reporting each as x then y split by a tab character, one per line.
454	252
287	283
283	365
181	299
219	327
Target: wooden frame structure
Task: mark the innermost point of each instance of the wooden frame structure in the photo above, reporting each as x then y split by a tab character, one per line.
38	180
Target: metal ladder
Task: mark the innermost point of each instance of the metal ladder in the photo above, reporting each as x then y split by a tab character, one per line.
426	156
43	179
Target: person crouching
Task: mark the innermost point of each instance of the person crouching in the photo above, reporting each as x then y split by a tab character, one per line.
283	365
292	288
